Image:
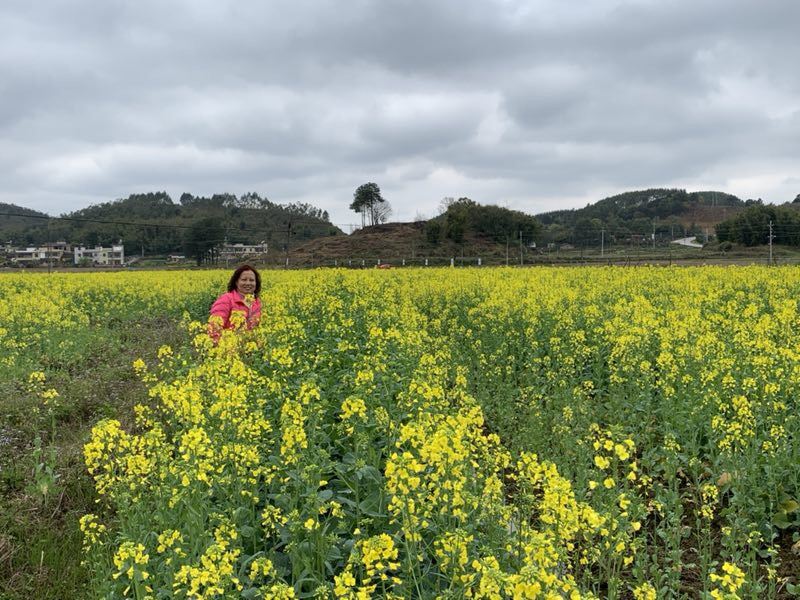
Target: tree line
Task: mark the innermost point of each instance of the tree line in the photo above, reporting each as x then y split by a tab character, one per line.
153	224
751	227
659	212
466	218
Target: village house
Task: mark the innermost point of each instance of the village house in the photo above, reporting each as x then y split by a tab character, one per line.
113	256
35	255
238	251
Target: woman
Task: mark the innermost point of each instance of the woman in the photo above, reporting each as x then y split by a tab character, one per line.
239	306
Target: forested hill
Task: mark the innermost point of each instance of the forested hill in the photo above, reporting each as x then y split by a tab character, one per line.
13	227
9	212
640	212
155	224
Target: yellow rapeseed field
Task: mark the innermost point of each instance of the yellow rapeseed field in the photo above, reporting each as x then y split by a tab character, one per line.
445	433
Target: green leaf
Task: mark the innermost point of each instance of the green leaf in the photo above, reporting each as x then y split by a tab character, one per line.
369	472
789	506
371	505
247	532
781	520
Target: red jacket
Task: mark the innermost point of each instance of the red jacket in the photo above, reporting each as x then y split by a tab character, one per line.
231	302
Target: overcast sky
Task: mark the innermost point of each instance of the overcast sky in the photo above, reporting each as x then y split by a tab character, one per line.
534	105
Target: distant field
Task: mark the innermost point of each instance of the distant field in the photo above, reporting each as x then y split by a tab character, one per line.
434	433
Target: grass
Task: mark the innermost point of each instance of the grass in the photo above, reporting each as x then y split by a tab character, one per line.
40	542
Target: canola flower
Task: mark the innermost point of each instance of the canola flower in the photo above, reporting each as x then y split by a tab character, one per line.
44	314
727	585
492	433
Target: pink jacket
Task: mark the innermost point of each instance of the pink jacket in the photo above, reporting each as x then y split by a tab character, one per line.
231	302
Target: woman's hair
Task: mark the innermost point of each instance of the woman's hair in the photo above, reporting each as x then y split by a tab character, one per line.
238	273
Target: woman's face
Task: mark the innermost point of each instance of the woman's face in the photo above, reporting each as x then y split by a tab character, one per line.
246	284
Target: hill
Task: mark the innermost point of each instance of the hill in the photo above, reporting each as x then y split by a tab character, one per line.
397	242
13	227
152	223
665	213
469	229
465	231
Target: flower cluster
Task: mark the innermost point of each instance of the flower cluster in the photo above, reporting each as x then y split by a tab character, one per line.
495	434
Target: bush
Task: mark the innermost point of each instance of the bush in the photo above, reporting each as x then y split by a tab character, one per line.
433	230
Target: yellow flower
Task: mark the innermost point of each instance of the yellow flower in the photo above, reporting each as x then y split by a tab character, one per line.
130	560
601	462
729	583
644	592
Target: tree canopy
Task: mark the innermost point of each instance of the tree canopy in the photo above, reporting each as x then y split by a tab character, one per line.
151	223
751	227
203	238
368	201
464	217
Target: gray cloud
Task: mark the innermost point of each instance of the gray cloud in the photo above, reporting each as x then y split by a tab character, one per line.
533	105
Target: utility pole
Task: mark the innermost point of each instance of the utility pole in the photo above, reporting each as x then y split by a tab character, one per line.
770	242
521	262
506	250
288	234
602	241
48	254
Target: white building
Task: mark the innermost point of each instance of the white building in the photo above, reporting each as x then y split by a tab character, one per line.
115	255
232	251
33	255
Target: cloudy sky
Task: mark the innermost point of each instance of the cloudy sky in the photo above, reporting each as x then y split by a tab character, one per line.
535	105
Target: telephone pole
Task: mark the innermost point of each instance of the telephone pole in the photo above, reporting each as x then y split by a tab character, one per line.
602	241
520	248
288	234
49	252
770	242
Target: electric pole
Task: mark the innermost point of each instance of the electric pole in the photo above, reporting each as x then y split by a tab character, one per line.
520	248
49	252
770	242
602	241
288	234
